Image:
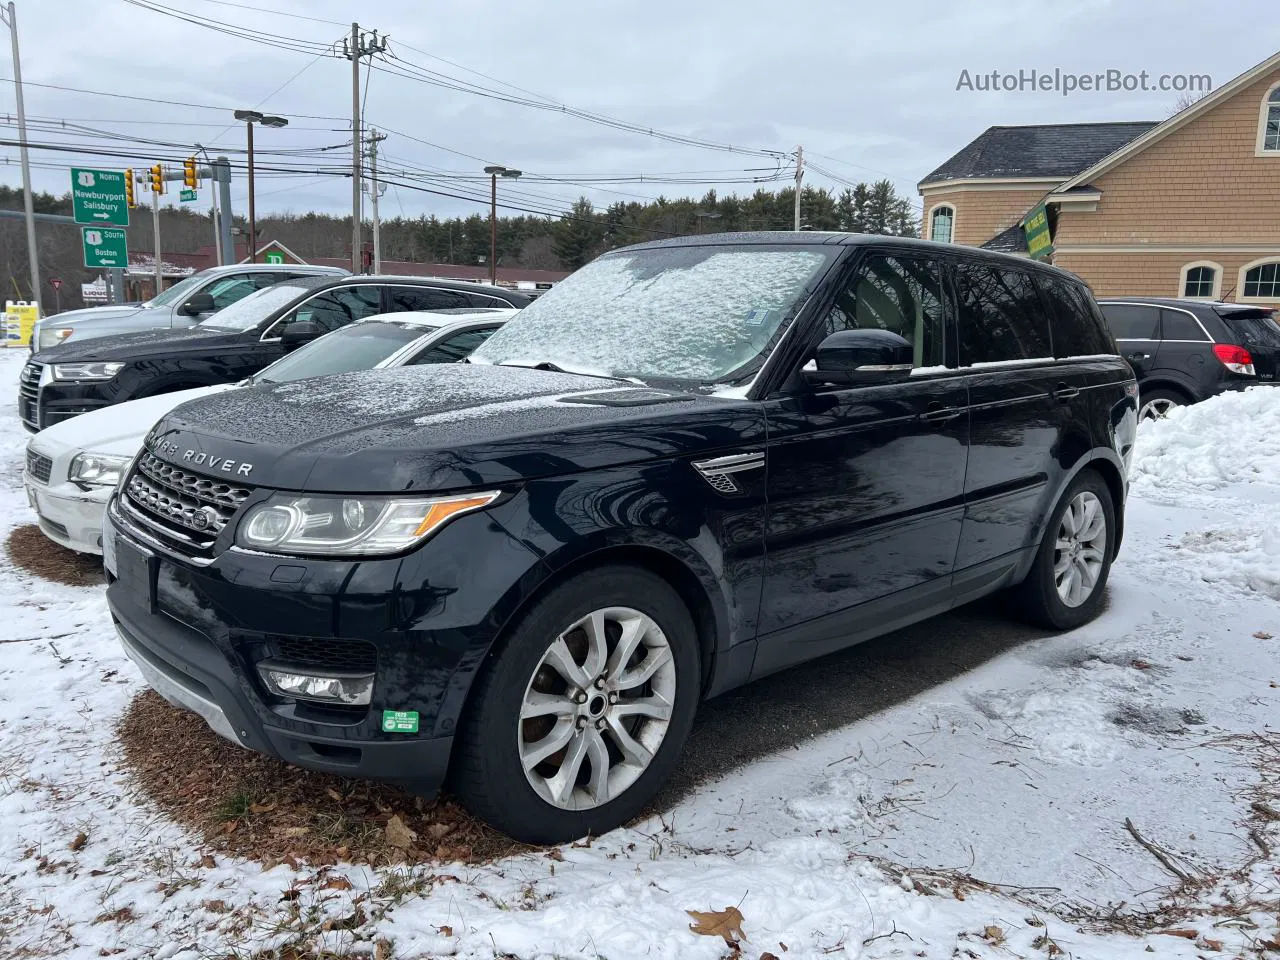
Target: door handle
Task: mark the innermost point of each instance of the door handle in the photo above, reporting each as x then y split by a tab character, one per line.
1138	356
935	412
1065	392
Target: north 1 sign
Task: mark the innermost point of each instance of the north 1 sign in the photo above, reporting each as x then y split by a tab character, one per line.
98	197
104	247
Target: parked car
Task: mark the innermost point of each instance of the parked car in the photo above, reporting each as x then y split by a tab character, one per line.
72	467
1185	351
69	380
692	463
184	304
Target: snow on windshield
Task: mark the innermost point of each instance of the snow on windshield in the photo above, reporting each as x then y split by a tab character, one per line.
254	308
685	313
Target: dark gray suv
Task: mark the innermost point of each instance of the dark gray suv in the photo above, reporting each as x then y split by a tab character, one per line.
1185	351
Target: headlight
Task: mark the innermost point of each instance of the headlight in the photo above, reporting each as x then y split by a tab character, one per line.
350	526
98	470
53	336
86	371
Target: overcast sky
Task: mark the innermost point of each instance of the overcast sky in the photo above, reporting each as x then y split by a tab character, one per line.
869	88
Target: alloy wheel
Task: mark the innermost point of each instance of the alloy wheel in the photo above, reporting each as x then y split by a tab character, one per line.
597	708
1156	409
1080	549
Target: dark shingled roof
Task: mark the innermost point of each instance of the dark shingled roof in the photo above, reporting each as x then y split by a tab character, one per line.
1013	240
1050	150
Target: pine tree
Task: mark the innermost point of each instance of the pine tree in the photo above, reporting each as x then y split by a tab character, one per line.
578	234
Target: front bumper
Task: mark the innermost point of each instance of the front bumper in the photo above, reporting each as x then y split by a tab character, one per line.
68	516
198	631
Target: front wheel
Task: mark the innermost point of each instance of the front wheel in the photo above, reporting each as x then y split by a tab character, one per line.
581	715
1065	586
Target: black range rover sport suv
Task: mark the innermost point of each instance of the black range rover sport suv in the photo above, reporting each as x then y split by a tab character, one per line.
691	464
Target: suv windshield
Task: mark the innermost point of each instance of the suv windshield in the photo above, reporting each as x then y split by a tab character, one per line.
361	346
178	291
257	306
689	313
1254	327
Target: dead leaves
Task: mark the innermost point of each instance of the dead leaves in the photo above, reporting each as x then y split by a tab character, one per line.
398	834
726	923
1262	635
993	934
76	845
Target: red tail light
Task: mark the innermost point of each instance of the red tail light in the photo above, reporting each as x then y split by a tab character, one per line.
1236	359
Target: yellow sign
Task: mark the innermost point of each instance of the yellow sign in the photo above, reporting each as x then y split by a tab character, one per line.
19	322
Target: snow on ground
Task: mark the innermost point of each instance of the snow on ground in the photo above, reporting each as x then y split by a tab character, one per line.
864	842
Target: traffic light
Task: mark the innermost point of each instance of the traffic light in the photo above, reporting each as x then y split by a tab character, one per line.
157	178
189	173
128	188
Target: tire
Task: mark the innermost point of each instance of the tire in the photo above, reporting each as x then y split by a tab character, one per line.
1040	595
527	674
1155	404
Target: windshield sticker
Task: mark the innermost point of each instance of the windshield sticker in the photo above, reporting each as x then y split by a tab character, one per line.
756	317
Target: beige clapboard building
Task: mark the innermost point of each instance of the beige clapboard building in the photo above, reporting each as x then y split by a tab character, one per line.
1186	207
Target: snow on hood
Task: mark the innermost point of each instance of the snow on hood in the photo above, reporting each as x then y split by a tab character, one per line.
91	313
130	346
116	430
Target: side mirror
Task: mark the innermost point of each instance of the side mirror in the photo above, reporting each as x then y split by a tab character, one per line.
299	332
198	304
860	357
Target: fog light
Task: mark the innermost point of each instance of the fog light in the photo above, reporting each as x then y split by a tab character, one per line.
348	689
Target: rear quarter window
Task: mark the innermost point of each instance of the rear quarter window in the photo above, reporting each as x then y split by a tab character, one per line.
1078	328
1176	325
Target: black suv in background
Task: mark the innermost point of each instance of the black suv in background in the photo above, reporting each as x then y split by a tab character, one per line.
75	377
690	464
1185	351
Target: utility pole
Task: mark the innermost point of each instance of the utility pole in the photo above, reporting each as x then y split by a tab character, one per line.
222	176
27	205
375	191
799	180
155	227
359	45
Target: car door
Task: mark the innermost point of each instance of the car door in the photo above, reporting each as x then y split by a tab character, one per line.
865	484
1184	349
1136	327
1020	417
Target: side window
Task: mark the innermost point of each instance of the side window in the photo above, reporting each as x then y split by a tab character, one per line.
1000	316
900	294
227	290
425	298
1131	321
336	308
1176	325
453	349
481	300
1077	331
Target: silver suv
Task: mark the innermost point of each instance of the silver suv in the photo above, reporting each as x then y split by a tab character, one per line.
182	305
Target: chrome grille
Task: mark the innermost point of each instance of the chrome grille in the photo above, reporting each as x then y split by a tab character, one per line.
39	466
29	394
187	506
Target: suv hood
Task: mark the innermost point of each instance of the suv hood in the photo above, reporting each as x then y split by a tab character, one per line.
139	346
91	313
441	427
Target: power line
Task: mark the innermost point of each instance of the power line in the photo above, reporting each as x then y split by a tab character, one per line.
276	13
234	30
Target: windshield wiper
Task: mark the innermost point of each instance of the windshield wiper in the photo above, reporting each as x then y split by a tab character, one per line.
556	368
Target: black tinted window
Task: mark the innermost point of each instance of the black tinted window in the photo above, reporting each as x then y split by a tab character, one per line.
1000	316
338	307
898	294
1176	325
483	301
1254	328
425	298
1077	330
453	349
1129	321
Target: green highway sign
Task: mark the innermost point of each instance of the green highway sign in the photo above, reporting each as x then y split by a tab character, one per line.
1039	241
104	247
187	195
98	197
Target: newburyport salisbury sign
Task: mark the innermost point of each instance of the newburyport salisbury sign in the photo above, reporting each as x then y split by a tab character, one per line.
98	197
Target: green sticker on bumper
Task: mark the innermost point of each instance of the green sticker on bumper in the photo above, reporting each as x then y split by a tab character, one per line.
399	721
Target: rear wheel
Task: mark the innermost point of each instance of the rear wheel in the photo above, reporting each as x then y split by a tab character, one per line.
1065	586
1156	404
582	713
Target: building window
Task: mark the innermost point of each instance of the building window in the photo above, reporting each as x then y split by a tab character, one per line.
1269	125
941	223
1201	281
1262	282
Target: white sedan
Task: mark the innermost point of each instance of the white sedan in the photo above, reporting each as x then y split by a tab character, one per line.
73	466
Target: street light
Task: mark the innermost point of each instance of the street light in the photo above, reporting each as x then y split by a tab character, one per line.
494	173
250	117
